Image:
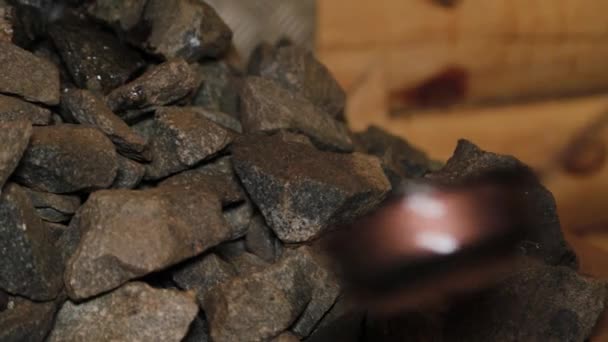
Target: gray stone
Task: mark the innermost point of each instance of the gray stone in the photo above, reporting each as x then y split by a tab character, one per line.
25	321
537	303
261	241
544	238
123	15
30	265
231	249
267	107
130	173
297	69
12	108
160	85
14	138
262	305
86	108
182	139
219	88
65	238
52	207
302	191
128	234
400	160
26	75
134	312
203	273
193	30
67	158
96	60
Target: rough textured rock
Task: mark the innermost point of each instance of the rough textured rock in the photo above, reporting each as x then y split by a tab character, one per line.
297	69
400	160
544	239
219	87
87	108
222	119
183	138
267	107
30	266
222	185
231	249
67	158
537	303
246	263
261	241
96	60
123	15
302	191
26	75
202	273
193	30
129	175
134	312
14	138
160	85
129	233
12	109
52	207
26	321
263	304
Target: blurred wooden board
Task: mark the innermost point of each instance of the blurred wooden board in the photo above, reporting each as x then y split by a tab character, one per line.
495	50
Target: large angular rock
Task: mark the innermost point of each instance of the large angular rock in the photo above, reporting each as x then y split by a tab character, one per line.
199	331
267	107
160	85
297	69
544	238
193	30
96	60
261	305
14	138
400	160
12	108
183	138
30	265
52	207
302	191
86	108
67	158
123	15
134	312
219	87
26	321
26	75
128	234
537	303
203	273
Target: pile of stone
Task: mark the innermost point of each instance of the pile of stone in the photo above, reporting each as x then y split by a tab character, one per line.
152	189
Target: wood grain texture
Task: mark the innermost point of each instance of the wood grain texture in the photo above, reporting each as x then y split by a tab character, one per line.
509	49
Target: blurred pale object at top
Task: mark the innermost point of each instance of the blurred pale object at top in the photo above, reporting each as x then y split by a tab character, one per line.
434	52
255	21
